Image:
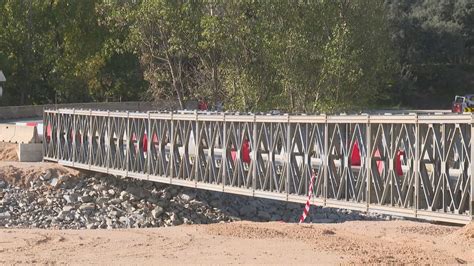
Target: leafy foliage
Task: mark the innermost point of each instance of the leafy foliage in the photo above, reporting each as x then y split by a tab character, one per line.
296	56
435	44
58	51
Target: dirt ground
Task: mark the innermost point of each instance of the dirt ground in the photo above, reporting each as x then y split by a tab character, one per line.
22	173
8	151
245	243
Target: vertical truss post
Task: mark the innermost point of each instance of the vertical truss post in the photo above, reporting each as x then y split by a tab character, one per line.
171	161
74	136
89	138
325	158
224	153
471	205
369	162
107	145
149	138
45	125
197	144
416	166
58	136
442	176
288	156
127	148
254	155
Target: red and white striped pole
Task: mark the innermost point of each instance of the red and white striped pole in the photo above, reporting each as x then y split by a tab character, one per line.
310	194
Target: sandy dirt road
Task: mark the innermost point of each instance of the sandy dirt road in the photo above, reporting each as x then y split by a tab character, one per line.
244	243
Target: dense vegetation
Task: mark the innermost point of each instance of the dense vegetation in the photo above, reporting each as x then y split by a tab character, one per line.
320	55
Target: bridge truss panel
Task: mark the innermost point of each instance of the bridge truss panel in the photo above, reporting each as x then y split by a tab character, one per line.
408	165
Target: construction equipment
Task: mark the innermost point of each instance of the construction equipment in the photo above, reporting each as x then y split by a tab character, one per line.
463	104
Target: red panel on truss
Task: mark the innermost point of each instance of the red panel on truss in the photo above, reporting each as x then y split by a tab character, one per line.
145	143
48	133
398	162
245	152
355	155
380	164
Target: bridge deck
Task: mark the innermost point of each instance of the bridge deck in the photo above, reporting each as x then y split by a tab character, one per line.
412	165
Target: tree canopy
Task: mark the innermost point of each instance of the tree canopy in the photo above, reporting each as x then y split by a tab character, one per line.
297	56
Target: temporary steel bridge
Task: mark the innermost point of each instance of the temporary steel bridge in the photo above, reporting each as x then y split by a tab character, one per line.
407	164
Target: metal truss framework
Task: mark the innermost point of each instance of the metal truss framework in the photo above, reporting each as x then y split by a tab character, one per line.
412	165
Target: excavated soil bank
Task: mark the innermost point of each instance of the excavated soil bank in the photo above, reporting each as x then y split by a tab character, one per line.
23	173
8	152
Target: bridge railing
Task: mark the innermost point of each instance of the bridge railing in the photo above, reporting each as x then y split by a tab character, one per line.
415	165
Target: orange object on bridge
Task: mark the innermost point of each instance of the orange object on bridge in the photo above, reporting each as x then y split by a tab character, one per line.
355	155
398	162
245	151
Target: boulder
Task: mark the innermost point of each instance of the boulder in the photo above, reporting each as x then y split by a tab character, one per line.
264	215
5	215
71	198
186	197
157	212
248	210
87	206
85	199
47	175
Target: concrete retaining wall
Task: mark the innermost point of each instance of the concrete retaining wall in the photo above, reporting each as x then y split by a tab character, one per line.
32	152
30	111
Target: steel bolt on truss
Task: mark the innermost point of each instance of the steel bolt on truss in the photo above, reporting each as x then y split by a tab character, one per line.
410	165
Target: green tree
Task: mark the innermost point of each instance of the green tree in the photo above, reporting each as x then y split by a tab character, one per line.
434	41
358	58
254	56
167	35
58	51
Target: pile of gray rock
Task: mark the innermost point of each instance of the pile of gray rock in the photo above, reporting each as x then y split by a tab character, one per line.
113	202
